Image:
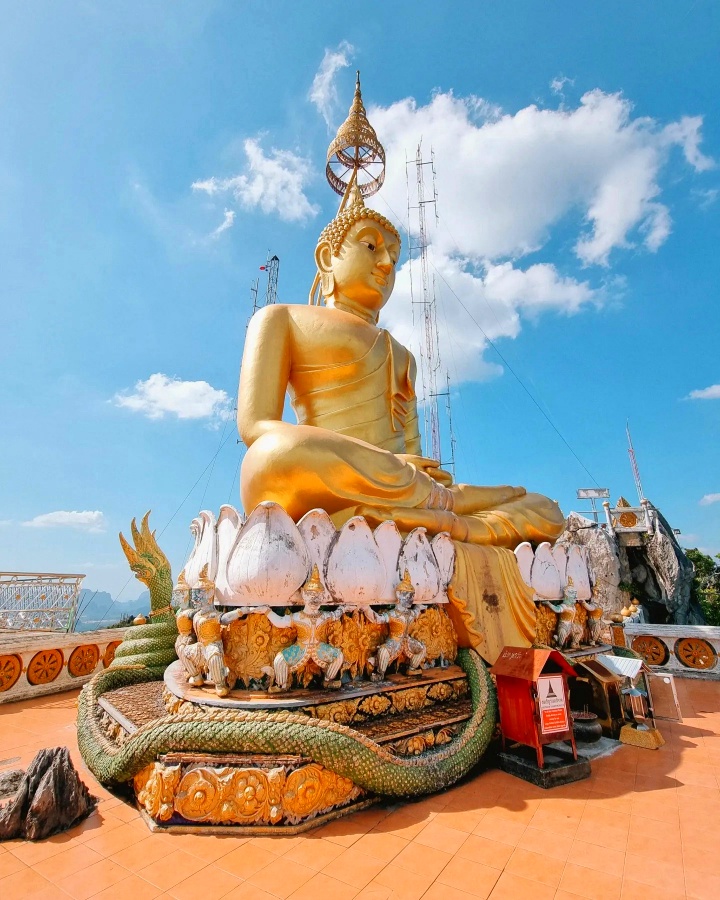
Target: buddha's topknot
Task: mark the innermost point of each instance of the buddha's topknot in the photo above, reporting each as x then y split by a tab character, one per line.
336	232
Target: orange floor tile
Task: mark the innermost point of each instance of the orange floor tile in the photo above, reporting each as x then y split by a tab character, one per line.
643	826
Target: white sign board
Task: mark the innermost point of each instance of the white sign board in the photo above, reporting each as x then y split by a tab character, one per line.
553	706
593	493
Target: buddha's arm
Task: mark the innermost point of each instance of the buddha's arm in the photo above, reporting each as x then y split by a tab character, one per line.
264	374
413	442
412	428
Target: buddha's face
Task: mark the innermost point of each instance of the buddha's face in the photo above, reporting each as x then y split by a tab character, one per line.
363	272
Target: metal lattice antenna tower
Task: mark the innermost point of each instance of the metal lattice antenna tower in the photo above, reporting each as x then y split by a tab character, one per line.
429	357
272	267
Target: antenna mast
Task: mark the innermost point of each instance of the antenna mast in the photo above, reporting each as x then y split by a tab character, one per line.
634	465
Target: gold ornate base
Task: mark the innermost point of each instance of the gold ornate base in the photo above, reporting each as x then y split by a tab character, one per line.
264	793
259	794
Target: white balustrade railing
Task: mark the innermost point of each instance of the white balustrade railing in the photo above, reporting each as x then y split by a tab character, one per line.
692	651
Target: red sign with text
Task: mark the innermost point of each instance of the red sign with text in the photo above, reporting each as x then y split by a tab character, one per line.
553	705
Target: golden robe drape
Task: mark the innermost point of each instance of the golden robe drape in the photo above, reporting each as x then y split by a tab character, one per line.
490	605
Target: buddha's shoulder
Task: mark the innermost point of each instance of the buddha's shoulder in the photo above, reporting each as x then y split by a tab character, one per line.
401	352
298	313
306	318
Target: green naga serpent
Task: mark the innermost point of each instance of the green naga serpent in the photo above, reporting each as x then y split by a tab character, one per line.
153	645
148	649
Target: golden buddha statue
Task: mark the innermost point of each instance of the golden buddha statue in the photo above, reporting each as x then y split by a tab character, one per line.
356	449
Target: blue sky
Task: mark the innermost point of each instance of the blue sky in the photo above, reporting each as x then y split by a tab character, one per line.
577	150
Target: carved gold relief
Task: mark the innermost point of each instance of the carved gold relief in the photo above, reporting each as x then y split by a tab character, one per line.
434	629
313	788
545	624
375	705
358	638
413	699
440	691
342	712
425	740
155	788
241	796
409	700
251	643
230	795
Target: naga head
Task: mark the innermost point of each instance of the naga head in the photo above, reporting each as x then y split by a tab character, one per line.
146	559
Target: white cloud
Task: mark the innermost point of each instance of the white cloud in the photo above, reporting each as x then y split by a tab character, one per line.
710	498
5	522
323	91
496	295
87	520
274	183
227	222
161	395
559	82
708	393
507	182
705	196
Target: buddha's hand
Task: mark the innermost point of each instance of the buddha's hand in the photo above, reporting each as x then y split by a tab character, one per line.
429	466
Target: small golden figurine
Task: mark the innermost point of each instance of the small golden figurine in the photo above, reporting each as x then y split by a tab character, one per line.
311	645
594	619
399	645
205	658
567	633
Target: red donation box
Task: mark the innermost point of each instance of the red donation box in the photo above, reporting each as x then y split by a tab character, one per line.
533	697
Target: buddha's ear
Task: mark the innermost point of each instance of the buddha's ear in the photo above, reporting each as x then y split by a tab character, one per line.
323	261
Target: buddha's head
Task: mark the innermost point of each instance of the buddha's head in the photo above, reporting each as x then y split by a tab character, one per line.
356	258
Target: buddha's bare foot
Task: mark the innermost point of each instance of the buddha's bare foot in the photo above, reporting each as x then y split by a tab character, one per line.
470	498
407	518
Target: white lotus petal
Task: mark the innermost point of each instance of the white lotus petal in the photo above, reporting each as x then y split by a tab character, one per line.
444	552
318	532
269	562
205	550
560	555
389	544
417	557
229	525
525	558
355	573
545	577
577	570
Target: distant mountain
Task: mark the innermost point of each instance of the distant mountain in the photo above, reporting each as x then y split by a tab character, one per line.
98	609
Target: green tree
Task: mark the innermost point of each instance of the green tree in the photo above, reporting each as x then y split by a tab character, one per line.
706	584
